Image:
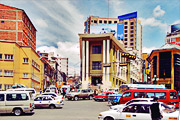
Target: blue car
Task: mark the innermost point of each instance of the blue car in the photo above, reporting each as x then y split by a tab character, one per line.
114	98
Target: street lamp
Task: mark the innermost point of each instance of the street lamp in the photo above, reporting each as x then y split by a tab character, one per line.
155	79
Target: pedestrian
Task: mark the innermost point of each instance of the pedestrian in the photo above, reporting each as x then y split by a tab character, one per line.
64	92
40	91
155	110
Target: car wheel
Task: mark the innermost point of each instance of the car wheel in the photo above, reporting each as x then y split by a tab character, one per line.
17	112
108	118
90	97
76	98
51	106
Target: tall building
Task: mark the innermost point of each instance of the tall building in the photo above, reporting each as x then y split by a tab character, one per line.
101	62
129	32
20	65
15	26
63	65
174	36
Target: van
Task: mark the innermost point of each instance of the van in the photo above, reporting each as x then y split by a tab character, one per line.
167	96
16	102
25	89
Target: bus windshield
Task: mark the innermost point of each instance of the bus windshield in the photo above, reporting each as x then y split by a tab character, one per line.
125	87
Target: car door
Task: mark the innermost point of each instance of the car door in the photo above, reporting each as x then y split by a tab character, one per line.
136	112
38	102
46	101
2	103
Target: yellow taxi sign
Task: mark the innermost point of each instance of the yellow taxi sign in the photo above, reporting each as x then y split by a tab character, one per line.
57	101
128	115
173	118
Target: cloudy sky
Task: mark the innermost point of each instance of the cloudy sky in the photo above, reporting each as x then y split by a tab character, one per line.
58	22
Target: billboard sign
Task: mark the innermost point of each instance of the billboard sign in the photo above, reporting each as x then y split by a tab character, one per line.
175	27
116	29
128	16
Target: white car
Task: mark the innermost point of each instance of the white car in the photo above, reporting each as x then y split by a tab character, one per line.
56	96
47	101
138	111
120	106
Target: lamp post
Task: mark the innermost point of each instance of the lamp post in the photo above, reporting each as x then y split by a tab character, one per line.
155	79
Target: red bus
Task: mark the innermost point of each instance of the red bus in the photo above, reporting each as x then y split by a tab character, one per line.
167	96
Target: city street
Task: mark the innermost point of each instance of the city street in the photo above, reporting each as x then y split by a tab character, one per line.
72	110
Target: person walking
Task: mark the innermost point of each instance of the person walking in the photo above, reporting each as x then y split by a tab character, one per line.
155	110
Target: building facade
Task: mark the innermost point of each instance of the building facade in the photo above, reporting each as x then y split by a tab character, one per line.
165	66
15	26
100	61
20	65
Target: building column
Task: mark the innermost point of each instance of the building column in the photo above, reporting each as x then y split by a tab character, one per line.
87	61
104	61
108	61
83	64
172	70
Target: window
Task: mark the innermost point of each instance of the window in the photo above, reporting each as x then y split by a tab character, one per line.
161	95
132	40
0	56
96	49
8	57
115	21
132	27
2	21
25	60
1	97
132	23
125	27
125	31
125	35
126	23
100	21
132	35
0	72
8	73
105	21
173	95
139	95
150	95
132	44
96	65
92	21
125	43
25	75
132	31
16	97
127	95
110	22
95	21
125	39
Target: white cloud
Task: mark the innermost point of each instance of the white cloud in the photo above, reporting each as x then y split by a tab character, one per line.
65	50
148	50
177	22
158	11
154	23
41	23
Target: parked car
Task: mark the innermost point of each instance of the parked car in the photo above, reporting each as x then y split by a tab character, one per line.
102	96
114	98
56	96
47	101
80	93
138	111
16	102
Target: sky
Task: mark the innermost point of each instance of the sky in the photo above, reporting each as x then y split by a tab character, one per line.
58	22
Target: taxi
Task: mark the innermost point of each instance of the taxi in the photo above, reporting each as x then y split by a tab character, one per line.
138	111
47	101
56	96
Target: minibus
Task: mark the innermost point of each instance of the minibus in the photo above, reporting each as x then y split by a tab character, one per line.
167	96
16	102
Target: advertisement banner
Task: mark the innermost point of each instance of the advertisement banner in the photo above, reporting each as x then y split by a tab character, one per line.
116	29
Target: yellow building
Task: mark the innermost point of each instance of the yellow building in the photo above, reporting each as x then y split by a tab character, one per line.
20	65
100	61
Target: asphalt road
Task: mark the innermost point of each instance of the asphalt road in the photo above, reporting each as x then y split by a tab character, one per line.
72	110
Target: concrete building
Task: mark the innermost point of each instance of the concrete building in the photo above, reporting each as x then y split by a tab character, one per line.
15	26
20	65
132	29
165	66
101	55
63	65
